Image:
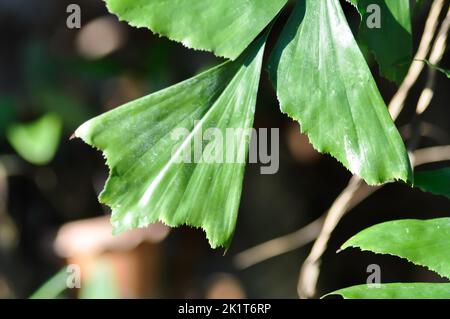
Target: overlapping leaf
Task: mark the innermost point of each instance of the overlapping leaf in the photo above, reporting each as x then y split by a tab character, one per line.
391	40
422	242
225	27
435	181
147	182
323	81
396	291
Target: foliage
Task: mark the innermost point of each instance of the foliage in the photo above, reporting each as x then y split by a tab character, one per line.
146	181
391	43
422	242
37	141
321	79
435	181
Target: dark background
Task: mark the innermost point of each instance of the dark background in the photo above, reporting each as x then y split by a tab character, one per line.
43	69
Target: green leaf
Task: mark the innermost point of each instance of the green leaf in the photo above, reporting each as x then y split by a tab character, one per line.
225	27
53	287
37	141
147	183
391	43
323	82
396	291
422	242
102	282
436	181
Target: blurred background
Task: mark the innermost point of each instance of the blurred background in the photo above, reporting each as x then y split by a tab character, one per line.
53	78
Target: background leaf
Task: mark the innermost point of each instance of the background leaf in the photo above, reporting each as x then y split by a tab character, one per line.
396	291
323	81
146	183
102	282
37	141
436	181
225	27
422	242
53	287
391	44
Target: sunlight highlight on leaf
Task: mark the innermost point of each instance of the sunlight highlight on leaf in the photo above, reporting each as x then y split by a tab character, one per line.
147	183
324	83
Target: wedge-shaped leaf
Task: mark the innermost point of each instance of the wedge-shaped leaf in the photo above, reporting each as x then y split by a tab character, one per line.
323	81
396	291
225	27
436	181
422	242
386	29
146	143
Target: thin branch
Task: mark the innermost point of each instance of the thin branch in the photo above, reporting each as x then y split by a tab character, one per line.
8	230
278	246
427	94
349	198
432	155
310	269
435	57
3	187
429	130
355	192
305	235
398	101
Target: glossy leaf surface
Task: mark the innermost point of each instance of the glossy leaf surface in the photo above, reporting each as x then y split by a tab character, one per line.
148	182
422	242
225	27
323	82
436	181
